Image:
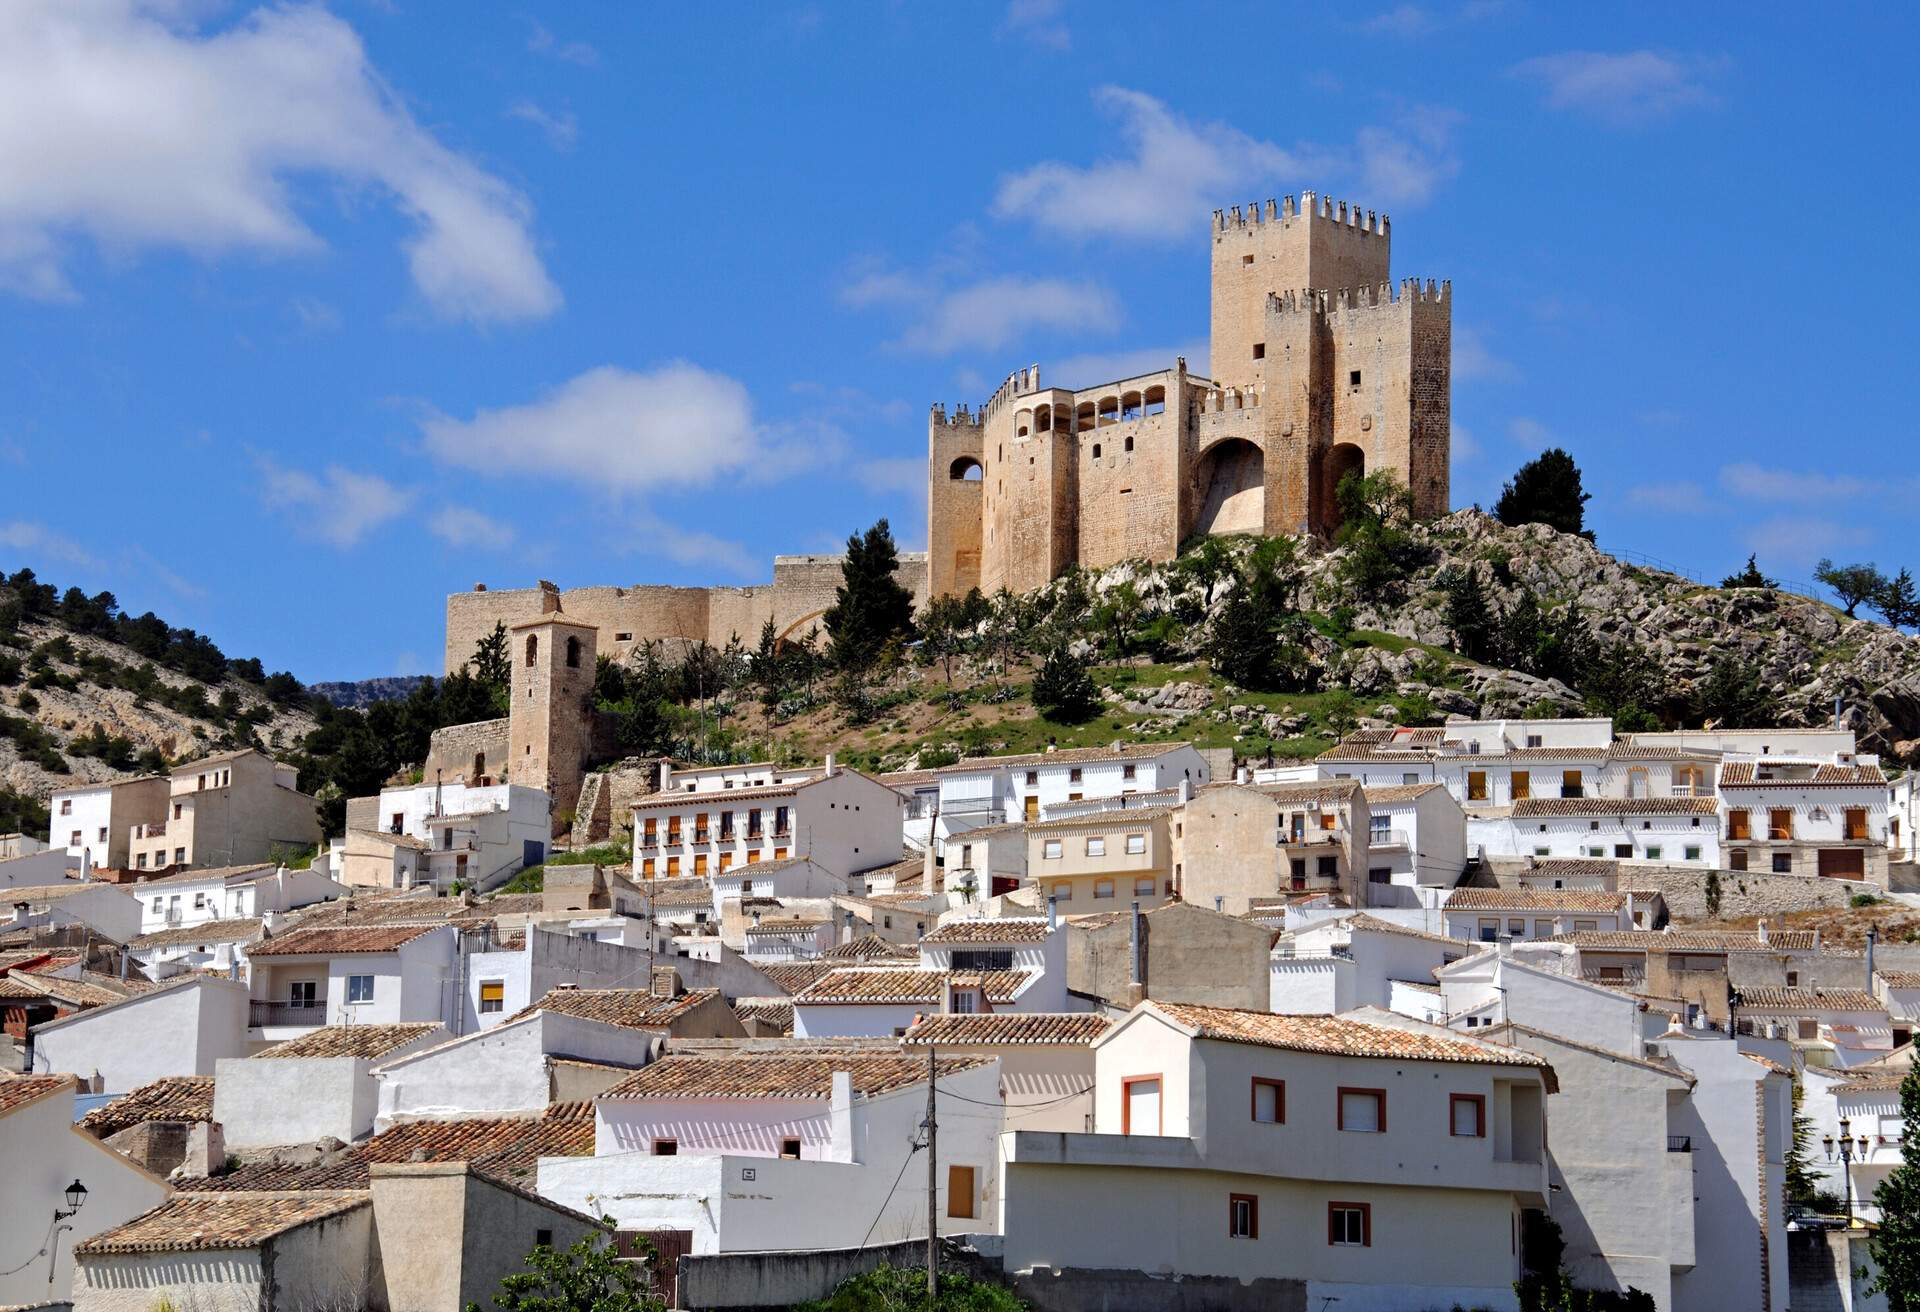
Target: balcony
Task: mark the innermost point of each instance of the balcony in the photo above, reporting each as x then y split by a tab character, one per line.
292	1011
703	836
1679	1143
1573	790
1619	976
151	830
783	831
649	840
1389	838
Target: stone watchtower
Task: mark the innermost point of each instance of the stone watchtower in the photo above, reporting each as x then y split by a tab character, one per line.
548	724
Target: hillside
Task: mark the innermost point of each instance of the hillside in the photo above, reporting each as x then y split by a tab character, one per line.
1367	634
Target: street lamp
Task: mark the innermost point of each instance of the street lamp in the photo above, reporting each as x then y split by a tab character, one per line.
76	1199
1850	1149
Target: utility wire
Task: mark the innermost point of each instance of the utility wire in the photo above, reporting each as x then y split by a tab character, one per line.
912	1148
36	1257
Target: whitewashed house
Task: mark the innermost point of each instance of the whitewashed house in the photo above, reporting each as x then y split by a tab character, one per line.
318	1086
218	946
1806	817
768	1152
1046	1060
1486	915
98	908
353	975
1359	960
180	1028
785	880
840	819
93	820
788	937
1416	839
1668	830
194	897
1838	1027
1366	1159
1036	945
877	1001
1870	1102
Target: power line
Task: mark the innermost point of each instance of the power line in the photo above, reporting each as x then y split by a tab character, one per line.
912	1147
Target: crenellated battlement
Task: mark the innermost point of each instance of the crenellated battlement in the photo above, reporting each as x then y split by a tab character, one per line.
1409	290
1311	207
962	417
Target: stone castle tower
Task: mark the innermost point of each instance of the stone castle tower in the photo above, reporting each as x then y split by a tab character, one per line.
1321	366
550	725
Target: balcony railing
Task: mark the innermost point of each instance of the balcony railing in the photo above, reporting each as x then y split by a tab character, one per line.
151	830
1679	1143
1388	838
1615	975
703	836
292	1011
650	840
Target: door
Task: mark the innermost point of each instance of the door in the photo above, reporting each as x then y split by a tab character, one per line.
1140	1111
1033	809
1843	862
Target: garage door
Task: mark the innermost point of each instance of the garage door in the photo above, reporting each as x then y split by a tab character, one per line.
1843	862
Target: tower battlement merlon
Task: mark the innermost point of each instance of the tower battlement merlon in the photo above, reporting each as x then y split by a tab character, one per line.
961	416
1285	212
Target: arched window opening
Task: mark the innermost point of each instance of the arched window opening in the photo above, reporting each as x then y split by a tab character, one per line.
573	653
1109	409
1129	444
1043	419
1022	423
1155	401
1083	416
1130	406
965	469
533	650
1096	450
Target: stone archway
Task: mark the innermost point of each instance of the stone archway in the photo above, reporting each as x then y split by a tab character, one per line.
1231	478
1340	459
796	630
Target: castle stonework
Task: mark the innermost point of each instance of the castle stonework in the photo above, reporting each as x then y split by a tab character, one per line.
1321	367
550	723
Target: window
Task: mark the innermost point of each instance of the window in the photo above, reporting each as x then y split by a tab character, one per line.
493	996
1780	822
177	808
1363	1111
1063	892
1793	979
533	649
543	1239
1103	888
1140	1105
1143	887
1033	778
1692	852
1522	785
983	959
66	806
359	988
140	863
1783	863
960	1191
1653	852
1096	847
1128	771
1570	784
1136	844
1096	450
1353	379
1467	1115
1350	1225
74	839
1050	850
1856	819
1243	1216
1737	823
666	1147
790	1148
1476	785
1269	1101
1259	348
1489	930
573	653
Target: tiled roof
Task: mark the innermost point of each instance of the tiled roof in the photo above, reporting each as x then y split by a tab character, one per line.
1777	999
502	1147
1363	921
1130	752
856	985
205	875
777	1012
1120	817
1536	807
1575	867
1767	1062
1899	979
1741	774
174	1098
14	960
240	930
1009	1027
1400	792
1871	1081
755	869
638	1009
1336	1035
368	909
93	990
366	1041
793	976
658	801
770	1076
339	941
1692	940
681	897
792	925
1534	899
188	1223
1005	930
1639	752
390	838
38	893
19	1090
868	947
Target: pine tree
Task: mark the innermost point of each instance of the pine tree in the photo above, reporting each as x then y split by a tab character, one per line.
1898	601
1895	1246
491	667
871	608
1750	577
1546	490
1063	690
766	665
1468	615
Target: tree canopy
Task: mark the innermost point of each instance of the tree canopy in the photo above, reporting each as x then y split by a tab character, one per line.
1546	490
871	607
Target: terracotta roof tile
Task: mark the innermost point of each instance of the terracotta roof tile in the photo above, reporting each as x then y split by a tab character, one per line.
339	941
366	1041
1036	1028
19	1090
1778	999
1131	752
1534	899
1691	940
1337	1036
794	976
789	925
638	1009
1363	921
869	947
504	1147
205	875
241	930
1121	817
774	1012
1004	930
1899	979
1742	774
174	1098
867	985
1401	792
1535	807
773	1076
189	1223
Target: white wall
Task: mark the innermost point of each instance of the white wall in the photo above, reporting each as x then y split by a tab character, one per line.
182	1030
48	867
500	1070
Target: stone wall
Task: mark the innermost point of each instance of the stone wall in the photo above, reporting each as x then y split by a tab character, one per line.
607	798
452	752
1742	892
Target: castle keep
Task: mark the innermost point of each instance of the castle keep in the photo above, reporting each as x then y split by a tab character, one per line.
1321	367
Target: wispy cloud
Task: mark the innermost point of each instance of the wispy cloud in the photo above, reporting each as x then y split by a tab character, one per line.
1529	432
463	526
124	123
338	506
901	475
1801	539
1622	89
1411	20
316	316
1464	445
1037	22
1475	361
540	41
1680	498
1761	483
42	543
997	312
1096	367
1176	170
562	129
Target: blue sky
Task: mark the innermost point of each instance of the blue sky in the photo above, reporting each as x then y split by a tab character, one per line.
310	315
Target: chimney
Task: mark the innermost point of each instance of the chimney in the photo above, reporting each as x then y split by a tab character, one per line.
1053	912
1504	945
1137	981
1186	790
666	775
1873	933
1760	928
829	765
664	982
1241	774
1219	902
840	1115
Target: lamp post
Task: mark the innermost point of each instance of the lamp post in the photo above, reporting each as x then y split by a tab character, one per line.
76	1199
1848	1151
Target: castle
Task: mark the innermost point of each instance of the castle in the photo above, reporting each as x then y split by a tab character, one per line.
1321	366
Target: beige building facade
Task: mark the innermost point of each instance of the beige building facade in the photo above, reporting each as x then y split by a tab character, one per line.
233	809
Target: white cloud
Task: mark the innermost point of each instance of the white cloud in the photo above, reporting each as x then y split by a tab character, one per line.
1530	432
27	536
338	506
463	526
901	475
1463	444
125	122
316	315
1681	498
1037	22
1635	86
1402	20
991	314
1800	540
625	431
648	533
1096	367
1179	170
1474	361
1759	483
542	42
562	129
